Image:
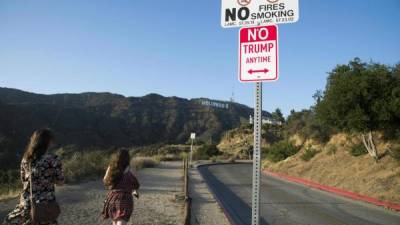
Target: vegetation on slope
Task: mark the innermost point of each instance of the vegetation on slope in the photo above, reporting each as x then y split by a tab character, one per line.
362	98
334	164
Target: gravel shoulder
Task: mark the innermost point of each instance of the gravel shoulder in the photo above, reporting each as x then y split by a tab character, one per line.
205	209
82	204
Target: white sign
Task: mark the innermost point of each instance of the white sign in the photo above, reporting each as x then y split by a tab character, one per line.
192	135
247	13
258	54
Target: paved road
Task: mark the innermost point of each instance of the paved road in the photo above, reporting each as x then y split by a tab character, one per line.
284	203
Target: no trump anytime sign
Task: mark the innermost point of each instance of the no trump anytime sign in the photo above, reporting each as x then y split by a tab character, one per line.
258	54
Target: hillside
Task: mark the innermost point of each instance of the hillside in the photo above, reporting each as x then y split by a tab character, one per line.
238	142
110	120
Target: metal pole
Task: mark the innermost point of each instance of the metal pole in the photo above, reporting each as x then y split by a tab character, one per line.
191	151
255	210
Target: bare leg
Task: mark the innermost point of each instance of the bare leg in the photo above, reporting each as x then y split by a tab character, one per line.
121	222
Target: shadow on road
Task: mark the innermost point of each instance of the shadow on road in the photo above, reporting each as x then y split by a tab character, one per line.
238	210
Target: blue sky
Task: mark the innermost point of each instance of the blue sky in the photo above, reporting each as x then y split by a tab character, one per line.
178	48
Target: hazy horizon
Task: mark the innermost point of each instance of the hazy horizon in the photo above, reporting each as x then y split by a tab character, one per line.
126	96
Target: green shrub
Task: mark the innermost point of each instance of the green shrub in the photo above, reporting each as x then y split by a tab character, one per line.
148	150
163	152
93	164
394	152
223	158
144	162
331	150
280	151
308	154
9	176
358	150
10	183
308	126
183	155
232	160
167	157
82	165
272	133
173	149
205	152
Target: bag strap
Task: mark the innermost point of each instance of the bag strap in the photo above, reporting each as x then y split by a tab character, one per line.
30	183
33	220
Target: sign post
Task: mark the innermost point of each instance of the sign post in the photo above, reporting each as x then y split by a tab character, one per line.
258	59
258	62
192	137
255	202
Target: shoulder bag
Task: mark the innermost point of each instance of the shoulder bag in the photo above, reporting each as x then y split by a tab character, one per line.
43	212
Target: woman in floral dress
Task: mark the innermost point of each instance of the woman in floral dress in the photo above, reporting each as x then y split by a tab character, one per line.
46	172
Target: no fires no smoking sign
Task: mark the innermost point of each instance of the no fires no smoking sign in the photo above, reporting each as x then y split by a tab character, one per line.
258	54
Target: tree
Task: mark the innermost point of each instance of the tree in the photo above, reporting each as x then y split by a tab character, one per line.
278	116
394	104
317	96
305	124
357	99
206	151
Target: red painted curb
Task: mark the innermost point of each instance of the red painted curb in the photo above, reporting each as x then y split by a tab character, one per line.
335	190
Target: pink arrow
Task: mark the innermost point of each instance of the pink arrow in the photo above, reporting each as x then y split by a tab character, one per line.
251	71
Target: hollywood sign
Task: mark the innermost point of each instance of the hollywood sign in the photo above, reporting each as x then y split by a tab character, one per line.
215	104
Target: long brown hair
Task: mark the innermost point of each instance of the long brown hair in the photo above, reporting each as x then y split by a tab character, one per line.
38	144
119	162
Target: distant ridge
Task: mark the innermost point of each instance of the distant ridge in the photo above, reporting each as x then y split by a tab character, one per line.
110	120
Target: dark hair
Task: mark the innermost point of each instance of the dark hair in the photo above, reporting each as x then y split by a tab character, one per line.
118	163
38	144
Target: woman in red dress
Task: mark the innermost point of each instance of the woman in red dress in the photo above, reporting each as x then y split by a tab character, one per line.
122	182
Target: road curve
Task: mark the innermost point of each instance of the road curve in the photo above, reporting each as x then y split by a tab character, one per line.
286	203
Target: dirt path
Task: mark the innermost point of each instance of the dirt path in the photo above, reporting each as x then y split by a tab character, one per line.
82	204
